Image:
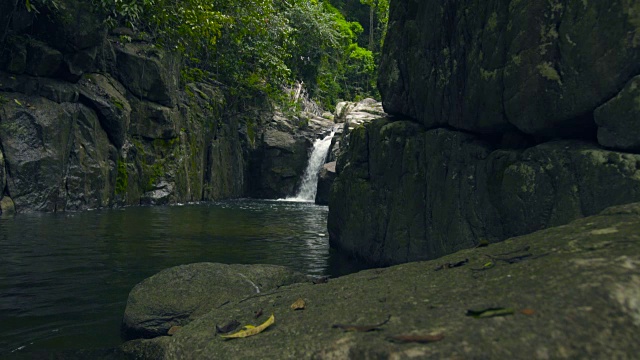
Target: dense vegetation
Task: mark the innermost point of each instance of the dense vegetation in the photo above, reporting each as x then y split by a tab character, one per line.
262	45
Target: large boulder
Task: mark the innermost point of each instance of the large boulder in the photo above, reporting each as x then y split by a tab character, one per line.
107	97
148	72
177	296
569	292
42	60
91	172
404	193
619	119
153	121
539	66
325	180
283	159
36	137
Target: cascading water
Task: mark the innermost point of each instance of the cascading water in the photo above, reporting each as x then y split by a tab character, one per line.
309	186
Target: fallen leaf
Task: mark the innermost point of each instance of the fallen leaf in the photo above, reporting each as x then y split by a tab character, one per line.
360	328
17	102
232	325
486	266
174	329
490	312
251	330
527	312
298	305
423	339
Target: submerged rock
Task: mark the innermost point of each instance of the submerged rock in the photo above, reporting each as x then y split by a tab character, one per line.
569	292
177	296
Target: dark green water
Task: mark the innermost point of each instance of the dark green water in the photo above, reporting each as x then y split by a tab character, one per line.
64	278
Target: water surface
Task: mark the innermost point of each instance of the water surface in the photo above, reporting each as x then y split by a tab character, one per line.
64	278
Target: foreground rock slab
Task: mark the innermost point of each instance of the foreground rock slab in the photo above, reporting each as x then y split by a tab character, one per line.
573	291
175	296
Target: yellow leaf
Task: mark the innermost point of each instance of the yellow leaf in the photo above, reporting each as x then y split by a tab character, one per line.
250	331
18	102
298	305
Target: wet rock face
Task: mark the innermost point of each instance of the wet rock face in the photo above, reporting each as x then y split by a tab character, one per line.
176	296
541	67
404	193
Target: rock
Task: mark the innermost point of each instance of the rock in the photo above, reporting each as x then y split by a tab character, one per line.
16	58
507	66
225	168
279	164
177	296
405	194
7	207
80	62
91	173
325	179
573	279
160	195
36	136
153	121
358	113
42	60
618	125
3	173
148	72
74	27
54	90
103	94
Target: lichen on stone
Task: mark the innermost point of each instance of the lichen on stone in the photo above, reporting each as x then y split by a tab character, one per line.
547	71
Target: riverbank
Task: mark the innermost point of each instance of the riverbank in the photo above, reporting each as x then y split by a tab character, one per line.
565	292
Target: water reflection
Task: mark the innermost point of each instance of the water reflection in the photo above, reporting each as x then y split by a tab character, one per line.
64	278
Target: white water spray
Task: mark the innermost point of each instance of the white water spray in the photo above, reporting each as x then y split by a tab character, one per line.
309	186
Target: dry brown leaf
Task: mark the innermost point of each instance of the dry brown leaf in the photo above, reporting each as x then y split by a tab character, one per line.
527	312
174	329
298	305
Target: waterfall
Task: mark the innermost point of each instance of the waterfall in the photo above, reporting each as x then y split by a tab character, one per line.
309	186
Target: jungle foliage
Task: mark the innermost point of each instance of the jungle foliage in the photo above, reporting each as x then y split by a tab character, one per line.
260	45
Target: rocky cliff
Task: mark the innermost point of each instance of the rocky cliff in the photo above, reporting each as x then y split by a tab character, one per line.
91	118
509	117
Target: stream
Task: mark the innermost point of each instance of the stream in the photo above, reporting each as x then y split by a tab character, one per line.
65	277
